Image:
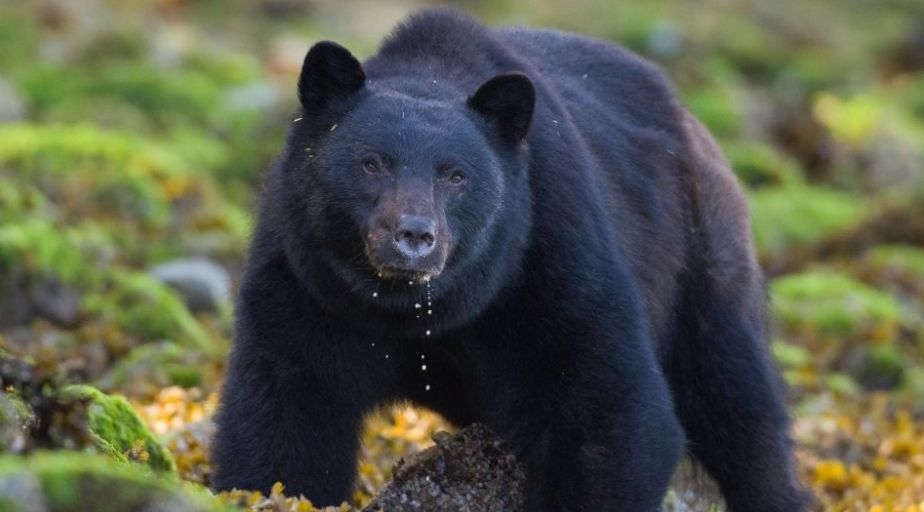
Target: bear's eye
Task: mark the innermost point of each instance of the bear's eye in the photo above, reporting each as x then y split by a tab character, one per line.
371	166
456	178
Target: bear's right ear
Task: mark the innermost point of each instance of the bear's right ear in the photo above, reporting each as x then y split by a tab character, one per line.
330	71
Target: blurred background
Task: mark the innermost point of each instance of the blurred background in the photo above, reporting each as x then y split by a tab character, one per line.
133	136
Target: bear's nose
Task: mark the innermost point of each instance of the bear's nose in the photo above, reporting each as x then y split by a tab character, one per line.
415	236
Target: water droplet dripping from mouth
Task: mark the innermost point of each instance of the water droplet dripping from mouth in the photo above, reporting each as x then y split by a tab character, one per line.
423	367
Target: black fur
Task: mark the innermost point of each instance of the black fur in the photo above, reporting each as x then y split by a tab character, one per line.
598	304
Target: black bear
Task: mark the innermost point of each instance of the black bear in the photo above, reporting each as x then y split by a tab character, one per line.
517	227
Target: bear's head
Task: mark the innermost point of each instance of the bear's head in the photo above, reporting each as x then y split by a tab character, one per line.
402	179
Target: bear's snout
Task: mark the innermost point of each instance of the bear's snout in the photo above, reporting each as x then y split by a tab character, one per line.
415	236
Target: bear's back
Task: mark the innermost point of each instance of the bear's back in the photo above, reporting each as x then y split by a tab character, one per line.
596	78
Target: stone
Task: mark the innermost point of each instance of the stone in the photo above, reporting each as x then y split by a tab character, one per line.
203	284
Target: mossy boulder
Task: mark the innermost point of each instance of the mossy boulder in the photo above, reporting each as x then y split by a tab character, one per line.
132	187
78	482
790	220
152	366
149	310
88	171
715	106
814	304
879	367
15	419
118	431
839	329
758	165
39	247
899	265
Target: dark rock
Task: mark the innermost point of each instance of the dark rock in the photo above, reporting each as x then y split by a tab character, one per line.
471	471
14	299
56	302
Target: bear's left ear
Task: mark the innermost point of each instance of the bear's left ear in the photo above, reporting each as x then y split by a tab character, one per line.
508	101
330	71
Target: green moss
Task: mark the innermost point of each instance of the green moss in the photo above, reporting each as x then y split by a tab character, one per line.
882	367
715	107
842	384
126	176
834	305
790	355
121	187
158	364
119	432
904	259
794	216
43	247
758	164
73	481
852	120
165	94
19	36
18	200
138	304
913	386
224	67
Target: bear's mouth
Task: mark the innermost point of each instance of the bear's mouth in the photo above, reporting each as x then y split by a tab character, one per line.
401	269
405	274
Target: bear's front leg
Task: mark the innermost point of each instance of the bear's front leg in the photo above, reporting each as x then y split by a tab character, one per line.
590	416
607	445
277	424
293	402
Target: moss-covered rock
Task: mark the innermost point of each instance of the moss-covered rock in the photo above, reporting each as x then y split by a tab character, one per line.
40	247
119	432
138	304
757	164
790	219
880	367
716	108
834	305
151	366
78	482
15	420
88	171
901	265
841	333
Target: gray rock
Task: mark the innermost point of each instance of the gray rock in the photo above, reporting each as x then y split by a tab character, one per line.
14	424
23	492
12	106
204	285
